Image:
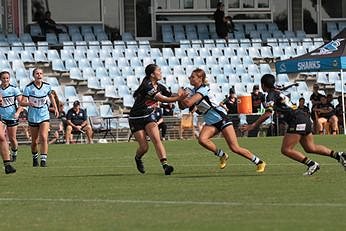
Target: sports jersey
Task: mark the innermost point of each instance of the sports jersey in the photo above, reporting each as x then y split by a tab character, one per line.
278	102
39	98
145	102
9	102
210	113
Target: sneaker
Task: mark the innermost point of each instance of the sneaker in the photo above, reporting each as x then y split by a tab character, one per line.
34	162
9	169
13	158
261	167
312	169
342	159
168	169
223	161
43	163
140	165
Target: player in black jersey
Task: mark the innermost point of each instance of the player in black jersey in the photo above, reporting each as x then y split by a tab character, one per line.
142	119
299	128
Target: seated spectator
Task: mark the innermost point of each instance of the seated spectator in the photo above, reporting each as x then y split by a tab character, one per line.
303	107
161	123
338	111
168	109
77	122
48	25
315	99
23	124
325	113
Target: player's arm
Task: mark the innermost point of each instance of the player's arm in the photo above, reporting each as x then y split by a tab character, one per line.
190	101
170	99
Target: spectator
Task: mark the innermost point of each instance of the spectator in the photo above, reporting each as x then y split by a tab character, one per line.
257	98
77	121
315	99
303	107
48	25
59	127
339	111
325	113
223	24
167	109
161	123
230	103
22	127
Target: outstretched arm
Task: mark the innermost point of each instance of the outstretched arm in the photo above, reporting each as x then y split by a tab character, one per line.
257	123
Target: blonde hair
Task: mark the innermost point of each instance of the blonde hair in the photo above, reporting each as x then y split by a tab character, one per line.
201	74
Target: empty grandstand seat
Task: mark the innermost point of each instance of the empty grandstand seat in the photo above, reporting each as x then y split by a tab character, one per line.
127	36
92	54
26	56
94	84
58	65
111	92
40	56
84	63
76	74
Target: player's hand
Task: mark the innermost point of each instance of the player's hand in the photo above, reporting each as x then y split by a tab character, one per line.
246	127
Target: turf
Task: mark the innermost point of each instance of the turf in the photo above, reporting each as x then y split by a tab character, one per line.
97	187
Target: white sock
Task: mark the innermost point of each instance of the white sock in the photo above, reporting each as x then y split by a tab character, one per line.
255	159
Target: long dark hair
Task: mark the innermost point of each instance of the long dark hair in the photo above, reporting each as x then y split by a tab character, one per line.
268	80
149	69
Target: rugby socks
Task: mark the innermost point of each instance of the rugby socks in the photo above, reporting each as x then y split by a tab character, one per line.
335	155
164	162
308	162
256	160
14	152
219	153
7	162
35	155
43	157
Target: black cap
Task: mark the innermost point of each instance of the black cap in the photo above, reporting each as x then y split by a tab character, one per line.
76	103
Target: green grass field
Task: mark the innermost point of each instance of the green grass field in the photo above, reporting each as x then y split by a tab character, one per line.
97	187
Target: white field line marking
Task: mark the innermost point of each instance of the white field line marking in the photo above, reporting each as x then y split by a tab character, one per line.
180	165
211	203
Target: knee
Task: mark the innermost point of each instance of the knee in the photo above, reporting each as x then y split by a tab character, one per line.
202	140
284	151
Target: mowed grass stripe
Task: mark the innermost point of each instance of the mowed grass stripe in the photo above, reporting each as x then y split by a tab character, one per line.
211	203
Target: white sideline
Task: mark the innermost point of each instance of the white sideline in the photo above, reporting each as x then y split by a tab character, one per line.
212	203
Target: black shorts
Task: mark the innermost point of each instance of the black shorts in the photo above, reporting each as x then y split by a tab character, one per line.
36	124
140	123
223	123
300	124
10	123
